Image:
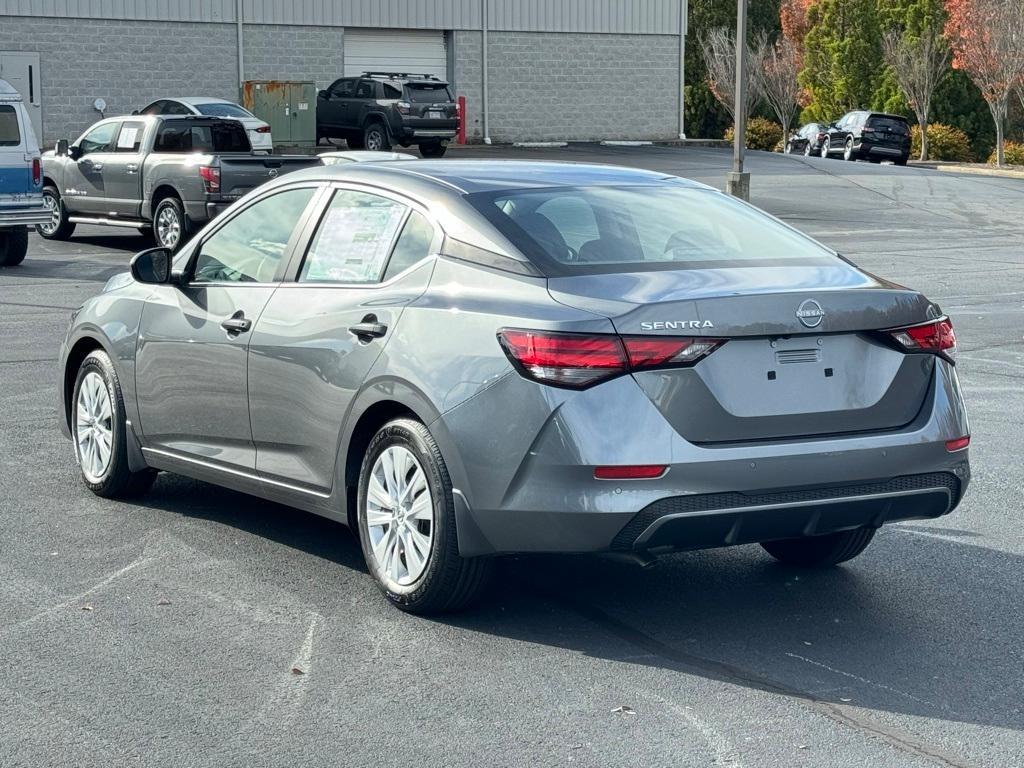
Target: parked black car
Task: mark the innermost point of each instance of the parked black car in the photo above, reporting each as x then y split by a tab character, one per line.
807	140
379	109
874	136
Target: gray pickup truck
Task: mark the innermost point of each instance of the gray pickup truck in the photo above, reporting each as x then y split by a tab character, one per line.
168	174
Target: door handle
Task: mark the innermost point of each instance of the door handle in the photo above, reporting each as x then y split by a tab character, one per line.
132	167
369	329
236	324
97	166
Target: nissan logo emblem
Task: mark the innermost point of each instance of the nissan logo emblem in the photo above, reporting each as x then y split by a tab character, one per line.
810	313
272	172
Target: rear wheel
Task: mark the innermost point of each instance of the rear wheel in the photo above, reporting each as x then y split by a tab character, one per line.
58	228
824	148
820	551
789	148
170	229
406	521
848	150
902	161
807	149
13	246
100	433
433	149
375	138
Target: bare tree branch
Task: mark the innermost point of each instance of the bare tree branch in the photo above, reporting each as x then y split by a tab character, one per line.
718	49
779	68
919	64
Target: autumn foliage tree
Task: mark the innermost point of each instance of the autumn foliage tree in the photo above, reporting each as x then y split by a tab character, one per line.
793	19
987	39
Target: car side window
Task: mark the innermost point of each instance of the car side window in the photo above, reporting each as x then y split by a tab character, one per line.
249	248
342	89
366	90
98	139
353	239
391	92
129	138
156	108
412	246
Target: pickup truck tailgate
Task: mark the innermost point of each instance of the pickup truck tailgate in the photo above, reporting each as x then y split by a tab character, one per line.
241	173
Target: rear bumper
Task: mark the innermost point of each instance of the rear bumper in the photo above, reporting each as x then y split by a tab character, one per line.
428	133
28	216
868	149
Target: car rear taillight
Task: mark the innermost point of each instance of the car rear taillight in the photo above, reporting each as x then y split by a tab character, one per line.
936	337
630	472
263	129
578	360
211	177
403	107
958	444
37	172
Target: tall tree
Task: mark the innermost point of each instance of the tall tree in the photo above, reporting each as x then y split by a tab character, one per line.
793	20
918	62
842	51
987	38
779	83
718	48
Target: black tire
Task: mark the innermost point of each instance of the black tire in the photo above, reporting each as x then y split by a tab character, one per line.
848	151
64	228
355	141
13	246
448	581
807	149
117	480
820	551
824	149
433	149
375	138
902	161
170	225
788	149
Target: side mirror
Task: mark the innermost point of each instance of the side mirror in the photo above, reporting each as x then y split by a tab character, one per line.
61	148
152	266
322	95
74	152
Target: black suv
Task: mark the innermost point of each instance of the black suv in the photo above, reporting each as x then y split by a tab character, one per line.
862	135
378	109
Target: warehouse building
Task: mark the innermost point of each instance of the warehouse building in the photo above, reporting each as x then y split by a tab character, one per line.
530	70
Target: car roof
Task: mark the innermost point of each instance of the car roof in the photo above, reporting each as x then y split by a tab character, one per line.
193	100
469	176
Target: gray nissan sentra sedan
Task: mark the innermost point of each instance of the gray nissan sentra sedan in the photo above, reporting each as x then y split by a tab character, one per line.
463	359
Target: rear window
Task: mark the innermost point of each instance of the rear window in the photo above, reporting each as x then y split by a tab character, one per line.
187	137
589	230
217	109
894	124
10	134
428	94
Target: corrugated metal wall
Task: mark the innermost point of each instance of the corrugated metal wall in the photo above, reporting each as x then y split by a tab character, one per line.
623	16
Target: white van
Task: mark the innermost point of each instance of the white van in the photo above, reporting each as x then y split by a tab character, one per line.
21	178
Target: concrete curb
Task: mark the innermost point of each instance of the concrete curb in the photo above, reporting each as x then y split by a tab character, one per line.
972	169
540	144
611	143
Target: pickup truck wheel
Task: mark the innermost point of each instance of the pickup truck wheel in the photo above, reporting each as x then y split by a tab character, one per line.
375	138
170	228
433	149
58	228
13	246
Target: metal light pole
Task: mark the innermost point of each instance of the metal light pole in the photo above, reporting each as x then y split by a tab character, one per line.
737	182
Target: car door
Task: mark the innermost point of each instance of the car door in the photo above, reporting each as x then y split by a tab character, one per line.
122	174
84	189
321	332
331	111
191	360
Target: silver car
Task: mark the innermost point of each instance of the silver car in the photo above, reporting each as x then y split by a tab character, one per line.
463	359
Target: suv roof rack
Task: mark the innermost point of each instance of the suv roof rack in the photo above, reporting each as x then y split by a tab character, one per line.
397	75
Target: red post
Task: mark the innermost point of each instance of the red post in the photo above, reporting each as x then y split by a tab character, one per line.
461	137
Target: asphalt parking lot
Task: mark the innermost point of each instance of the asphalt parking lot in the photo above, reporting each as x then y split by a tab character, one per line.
166	631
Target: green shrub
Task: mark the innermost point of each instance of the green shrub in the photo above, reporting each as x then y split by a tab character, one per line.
944	143
1013	153
761	134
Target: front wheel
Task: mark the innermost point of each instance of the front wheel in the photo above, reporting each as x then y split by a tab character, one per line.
13	246
789	148
58	227
807	149
375	138
820	551
406	521
170	228
99	431
824	148
433	149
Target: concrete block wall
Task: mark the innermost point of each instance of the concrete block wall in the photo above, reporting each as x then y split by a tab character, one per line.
278	52
546	86
127	63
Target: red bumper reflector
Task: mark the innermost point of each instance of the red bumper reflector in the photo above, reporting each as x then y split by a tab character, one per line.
959	444
630	472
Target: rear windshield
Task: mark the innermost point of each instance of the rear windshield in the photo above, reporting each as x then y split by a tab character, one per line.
588	230
187	137
10	134
894	124
218	109
428	94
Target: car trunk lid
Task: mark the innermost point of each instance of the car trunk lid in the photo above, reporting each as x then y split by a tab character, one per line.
431	106
801	358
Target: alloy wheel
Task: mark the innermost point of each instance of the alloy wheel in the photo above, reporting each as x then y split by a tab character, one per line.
824	148
374	140
94	432
399	515
168	227
848	150
53	206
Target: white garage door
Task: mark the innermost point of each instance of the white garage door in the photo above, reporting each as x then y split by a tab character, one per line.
418	51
